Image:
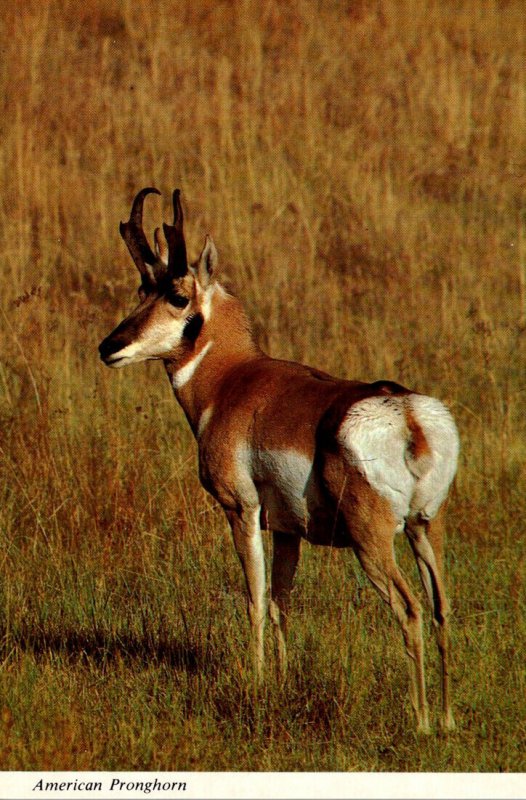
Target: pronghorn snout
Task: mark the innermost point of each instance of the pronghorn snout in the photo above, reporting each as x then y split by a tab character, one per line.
118	342
109	348
115	350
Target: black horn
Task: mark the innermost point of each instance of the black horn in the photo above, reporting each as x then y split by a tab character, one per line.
177	260
136	241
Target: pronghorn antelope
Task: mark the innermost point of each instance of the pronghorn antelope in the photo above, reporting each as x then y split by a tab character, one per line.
286	447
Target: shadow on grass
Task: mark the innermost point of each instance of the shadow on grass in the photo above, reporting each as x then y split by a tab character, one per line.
102	647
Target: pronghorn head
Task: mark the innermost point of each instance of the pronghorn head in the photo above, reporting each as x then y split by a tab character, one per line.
174	297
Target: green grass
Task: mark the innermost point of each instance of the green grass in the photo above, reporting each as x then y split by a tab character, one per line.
137	669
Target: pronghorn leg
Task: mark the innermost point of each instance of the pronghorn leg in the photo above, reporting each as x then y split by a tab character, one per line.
285	556
249	546
426	540
384	574
371	524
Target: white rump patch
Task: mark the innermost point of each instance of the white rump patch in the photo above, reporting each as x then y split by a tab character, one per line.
376	438
374	434
442	437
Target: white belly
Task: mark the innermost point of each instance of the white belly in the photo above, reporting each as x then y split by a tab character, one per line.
286	488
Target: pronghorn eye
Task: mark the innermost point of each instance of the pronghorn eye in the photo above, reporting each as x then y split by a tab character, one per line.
177	300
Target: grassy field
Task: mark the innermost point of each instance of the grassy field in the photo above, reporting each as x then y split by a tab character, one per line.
361	166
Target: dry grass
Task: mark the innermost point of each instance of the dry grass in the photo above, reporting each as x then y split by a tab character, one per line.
361	167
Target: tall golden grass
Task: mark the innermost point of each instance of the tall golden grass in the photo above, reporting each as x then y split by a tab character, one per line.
361	168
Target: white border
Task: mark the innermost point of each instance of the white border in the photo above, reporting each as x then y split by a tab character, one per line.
416	785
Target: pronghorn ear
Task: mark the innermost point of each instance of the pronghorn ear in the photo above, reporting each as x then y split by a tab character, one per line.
161	247
207	261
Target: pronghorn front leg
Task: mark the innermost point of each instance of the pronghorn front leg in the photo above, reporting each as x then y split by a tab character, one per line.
285	556
249	546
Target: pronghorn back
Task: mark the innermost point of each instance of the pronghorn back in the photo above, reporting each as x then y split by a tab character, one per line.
289	448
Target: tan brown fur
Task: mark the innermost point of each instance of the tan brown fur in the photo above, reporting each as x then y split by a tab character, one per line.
419	456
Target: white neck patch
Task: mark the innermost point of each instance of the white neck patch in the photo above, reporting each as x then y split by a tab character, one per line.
184	374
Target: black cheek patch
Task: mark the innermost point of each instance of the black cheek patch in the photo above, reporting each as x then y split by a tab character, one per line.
193	327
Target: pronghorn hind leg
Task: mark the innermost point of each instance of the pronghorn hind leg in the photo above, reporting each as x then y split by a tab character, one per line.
248	542
371	524
384	574
426	538
285	556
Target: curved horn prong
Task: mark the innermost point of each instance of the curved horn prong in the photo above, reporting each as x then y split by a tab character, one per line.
177	260
136	241
178	209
